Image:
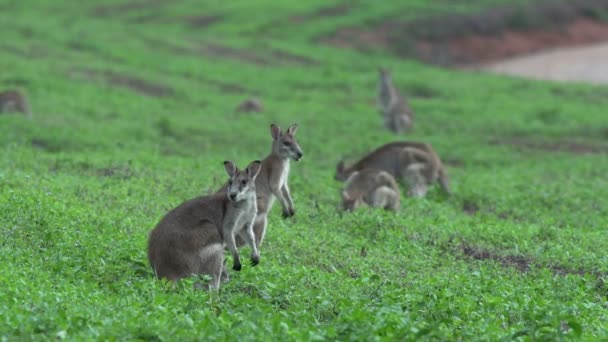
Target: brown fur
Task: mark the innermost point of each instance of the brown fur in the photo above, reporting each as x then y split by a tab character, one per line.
398	115
250	105
190	239
13	101
373	188
409	161
271	182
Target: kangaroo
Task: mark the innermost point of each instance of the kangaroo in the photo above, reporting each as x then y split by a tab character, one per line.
190	239
398	115
415	163
373	188
272	180
14	101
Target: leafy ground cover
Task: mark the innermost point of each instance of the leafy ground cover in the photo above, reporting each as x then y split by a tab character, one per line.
133	108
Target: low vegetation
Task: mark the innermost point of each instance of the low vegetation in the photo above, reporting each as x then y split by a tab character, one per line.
133	112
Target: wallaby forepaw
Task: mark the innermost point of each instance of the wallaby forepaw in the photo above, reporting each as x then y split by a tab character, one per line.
237	266
255	260
289	212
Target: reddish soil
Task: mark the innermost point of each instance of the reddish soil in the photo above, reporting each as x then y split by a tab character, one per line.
491	35
477	48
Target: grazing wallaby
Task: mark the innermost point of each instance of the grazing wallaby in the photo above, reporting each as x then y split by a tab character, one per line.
272	180
190	239
398	115
415	163
371	187
14	101
250	105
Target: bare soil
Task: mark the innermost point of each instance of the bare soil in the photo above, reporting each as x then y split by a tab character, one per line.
492	35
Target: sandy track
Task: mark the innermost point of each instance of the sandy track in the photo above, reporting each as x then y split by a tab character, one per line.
584	63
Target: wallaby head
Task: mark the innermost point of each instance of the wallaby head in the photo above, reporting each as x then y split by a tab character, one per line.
242	182
285	145
349	202
351	198
385	74
341	171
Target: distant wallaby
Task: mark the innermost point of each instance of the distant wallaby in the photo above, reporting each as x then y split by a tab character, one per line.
398	115
272	180
415	163
13	101
250	105
371	187
190	239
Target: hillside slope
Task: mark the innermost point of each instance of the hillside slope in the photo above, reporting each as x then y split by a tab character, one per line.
133	113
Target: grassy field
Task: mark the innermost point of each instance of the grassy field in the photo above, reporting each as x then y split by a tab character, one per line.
133	107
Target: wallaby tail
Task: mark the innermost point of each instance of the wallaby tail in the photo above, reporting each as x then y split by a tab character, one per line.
444	181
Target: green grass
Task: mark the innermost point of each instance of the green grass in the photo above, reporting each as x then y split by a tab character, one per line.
85	180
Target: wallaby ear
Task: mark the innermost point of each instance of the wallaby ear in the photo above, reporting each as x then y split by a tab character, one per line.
254	168
340	167
230	168
275	131
292	129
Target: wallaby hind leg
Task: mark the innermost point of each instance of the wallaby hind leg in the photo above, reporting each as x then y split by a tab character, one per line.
386	198
225	276
412	172
212	263
417	183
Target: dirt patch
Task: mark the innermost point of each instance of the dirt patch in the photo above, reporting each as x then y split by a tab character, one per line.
44	145
518	262
121	172
141	86
524	264
120	9
470	207
291	58
495	34
269	56
551	146
216	50
30	52
138	85
332	11
202	21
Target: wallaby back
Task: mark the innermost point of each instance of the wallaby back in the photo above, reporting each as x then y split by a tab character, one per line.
388	158
14	101
177	246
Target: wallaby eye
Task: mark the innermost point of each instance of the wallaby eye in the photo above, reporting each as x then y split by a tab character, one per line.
243	182
230	182
287	143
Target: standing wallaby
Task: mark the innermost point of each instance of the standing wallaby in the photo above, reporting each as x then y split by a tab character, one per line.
190	239
416	163
371	187
272	180
398	115
13	101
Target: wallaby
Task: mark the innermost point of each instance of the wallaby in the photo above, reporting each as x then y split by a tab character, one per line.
415	163
190	239
250	105
13	101
398	115
272	180
373	188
